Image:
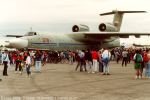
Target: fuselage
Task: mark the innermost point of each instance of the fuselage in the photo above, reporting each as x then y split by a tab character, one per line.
63	42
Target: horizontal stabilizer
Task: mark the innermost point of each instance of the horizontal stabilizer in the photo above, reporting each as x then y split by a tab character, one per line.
116	11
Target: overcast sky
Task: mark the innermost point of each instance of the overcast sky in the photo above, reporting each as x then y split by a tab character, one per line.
17	16
58	16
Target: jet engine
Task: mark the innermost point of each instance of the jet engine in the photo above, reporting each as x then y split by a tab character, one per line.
80	28
107	27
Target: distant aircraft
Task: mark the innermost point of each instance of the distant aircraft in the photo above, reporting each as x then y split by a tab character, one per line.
80	38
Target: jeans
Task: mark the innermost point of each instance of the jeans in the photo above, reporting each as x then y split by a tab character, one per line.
147	69
105	68
38	65
89	65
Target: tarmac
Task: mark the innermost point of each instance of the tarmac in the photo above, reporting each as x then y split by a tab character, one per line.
62	82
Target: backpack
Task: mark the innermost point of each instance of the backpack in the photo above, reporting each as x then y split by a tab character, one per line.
138	58
145	58
105	60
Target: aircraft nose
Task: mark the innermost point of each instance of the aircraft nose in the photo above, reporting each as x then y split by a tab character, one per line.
17	43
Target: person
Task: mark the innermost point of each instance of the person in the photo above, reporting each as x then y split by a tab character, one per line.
100	62
95	58
124	57
2	58
146	60
117	56
82	60
106	58
5	58
28	64
138	59
38	58
88	59
71	57
44	58
129	56
19	60
112	54
77	57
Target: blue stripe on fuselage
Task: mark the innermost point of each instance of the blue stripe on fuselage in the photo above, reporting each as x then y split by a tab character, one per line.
55	44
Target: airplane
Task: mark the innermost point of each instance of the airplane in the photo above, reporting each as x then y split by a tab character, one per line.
80	38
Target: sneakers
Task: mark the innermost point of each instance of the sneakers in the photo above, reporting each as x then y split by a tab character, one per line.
93	72
138	77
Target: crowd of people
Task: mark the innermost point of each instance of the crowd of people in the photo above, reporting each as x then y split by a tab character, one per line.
91	61
141	59
97	61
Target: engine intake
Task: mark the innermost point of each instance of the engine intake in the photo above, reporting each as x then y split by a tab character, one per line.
80	28
107	27
102	27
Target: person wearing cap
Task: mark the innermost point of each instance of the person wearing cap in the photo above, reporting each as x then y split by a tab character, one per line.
5	62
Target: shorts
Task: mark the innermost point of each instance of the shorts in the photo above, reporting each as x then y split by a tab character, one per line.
137	66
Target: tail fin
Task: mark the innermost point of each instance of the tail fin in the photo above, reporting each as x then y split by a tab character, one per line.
118	15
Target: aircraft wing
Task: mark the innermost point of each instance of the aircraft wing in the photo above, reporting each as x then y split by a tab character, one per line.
140	45
17	36
105	35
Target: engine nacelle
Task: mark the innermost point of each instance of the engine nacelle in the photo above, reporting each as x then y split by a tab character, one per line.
80	28
107	27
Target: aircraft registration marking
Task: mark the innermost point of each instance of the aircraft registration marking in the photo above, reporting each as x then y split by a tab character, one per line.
45	40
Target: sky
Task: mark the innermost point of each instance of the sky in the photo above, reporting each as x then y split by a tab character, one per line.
58	16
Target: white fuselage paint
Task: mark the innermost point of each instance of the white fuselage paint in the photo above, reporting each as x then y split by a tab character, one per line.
67	42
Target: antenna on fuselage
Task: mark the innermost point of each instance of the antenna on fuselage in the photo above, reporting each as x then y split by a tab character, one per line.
118	16
30	29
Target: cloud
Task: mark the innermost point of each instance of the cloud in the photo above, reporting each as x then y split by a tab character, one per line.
17	15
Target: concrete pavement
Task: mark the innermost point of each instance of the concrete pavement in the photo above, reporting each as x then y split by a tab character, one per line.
62	82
